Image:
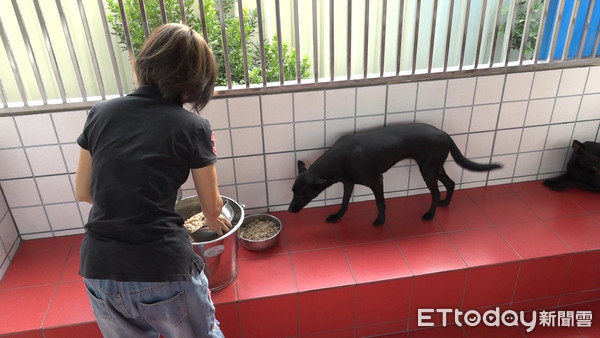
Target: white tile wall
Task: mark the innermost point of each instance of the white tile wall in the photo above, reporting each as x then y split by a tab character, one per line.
8	133
431	95
277	108
9	237
340	103
370	100
402	97
526	121
460	92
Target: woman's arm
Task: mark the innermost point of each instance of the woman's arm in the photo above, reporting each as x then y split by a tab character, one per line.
83	177
205	181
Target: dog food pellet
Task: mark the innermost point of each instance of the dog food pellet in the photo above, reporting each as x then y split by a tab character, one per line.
259	230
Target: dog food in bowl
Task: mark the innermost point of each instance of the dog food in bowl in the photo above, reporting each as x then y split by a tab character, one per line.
259	231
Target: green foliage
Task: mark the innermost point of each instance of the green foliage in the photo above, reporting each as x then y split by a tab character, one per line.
519	27
214	37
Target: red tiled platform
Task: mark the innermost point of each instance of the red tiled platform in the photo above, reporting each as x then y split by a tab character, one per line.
518	246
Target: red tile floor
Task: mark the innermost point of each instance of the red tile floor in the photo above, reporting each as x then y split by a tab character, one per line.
517	247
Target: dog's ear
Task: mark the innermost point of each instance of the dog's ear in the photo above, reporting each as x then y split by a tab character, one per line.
577	145
301	167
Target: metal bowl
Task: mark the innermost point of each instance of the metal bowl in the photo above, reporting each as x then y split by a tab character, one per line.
261	244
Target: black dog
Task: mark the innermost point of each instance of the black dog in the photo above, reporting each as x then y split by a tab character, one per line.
362	158
583	169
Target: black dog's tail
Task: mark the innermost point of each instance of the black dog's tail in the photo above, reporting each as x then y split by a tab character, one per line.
468	164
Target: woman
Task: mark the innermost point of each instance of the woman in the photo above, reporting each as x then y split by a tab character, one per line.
139	268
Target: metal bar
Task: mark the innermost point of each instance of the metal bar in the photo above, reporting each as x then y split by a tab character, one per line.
558	20
92	50
432	36
349	42
243	41
127	37
416	38
595	51
30	54
144	18
448	34
315	41
496	29
297	42
586	28
242	92
203	20
3	95
399	47
540	35
331	38
225	46
510	31
525	35
50	50
383	31
574	13
182	12
461	59
13	64
279	47
163	11
110	47
261	41
366	40
481	23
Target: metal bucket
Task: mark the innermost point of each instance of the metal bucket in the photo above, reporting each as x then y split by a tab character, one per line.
219	255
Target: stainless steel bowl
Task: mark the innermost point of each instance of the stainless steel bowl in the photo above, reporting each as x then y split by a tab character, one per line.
262	244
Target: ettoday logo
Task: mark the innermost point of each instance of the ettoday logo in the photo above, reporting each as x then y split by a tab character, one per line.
495	317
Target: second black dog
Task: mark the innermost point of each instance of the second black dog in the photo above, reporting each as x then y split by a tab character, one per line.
583	169
362	158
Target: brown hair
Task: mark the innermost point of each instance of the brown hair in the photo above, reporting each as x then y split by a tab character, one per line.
177	60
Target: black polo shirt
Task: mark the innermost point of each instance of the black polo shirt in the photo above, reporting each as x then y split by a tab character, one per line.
142	147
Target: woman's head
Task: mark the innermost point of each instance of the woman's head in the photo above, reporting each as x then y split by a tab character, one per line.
178	61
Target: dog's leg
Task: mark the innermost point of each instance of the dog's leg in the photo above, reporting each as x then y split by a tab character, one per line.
449	184
431	181
348	187
379	200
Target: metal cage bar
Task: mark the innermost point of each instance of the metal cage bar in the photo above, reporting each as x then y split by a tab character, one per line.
50	50
243	40
479	36
448	34
432	36
13	65
416	38
30	53
324	28
382	47
297	41
225	46
91	49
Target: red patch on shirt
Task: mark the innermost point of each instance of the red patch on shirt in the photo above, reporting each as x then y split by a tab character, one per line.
212	138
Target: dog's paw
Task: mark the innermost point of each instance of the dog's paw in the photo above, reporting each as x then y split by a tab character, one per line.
556	185
379	222
428	216
332	219
444	203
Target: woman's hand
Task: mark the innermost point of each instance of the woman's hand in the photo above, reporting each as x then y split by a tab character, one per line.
220	224
205	181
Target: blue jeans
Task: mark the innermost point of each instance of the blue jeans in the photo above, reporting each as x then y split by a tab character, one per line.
149	309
